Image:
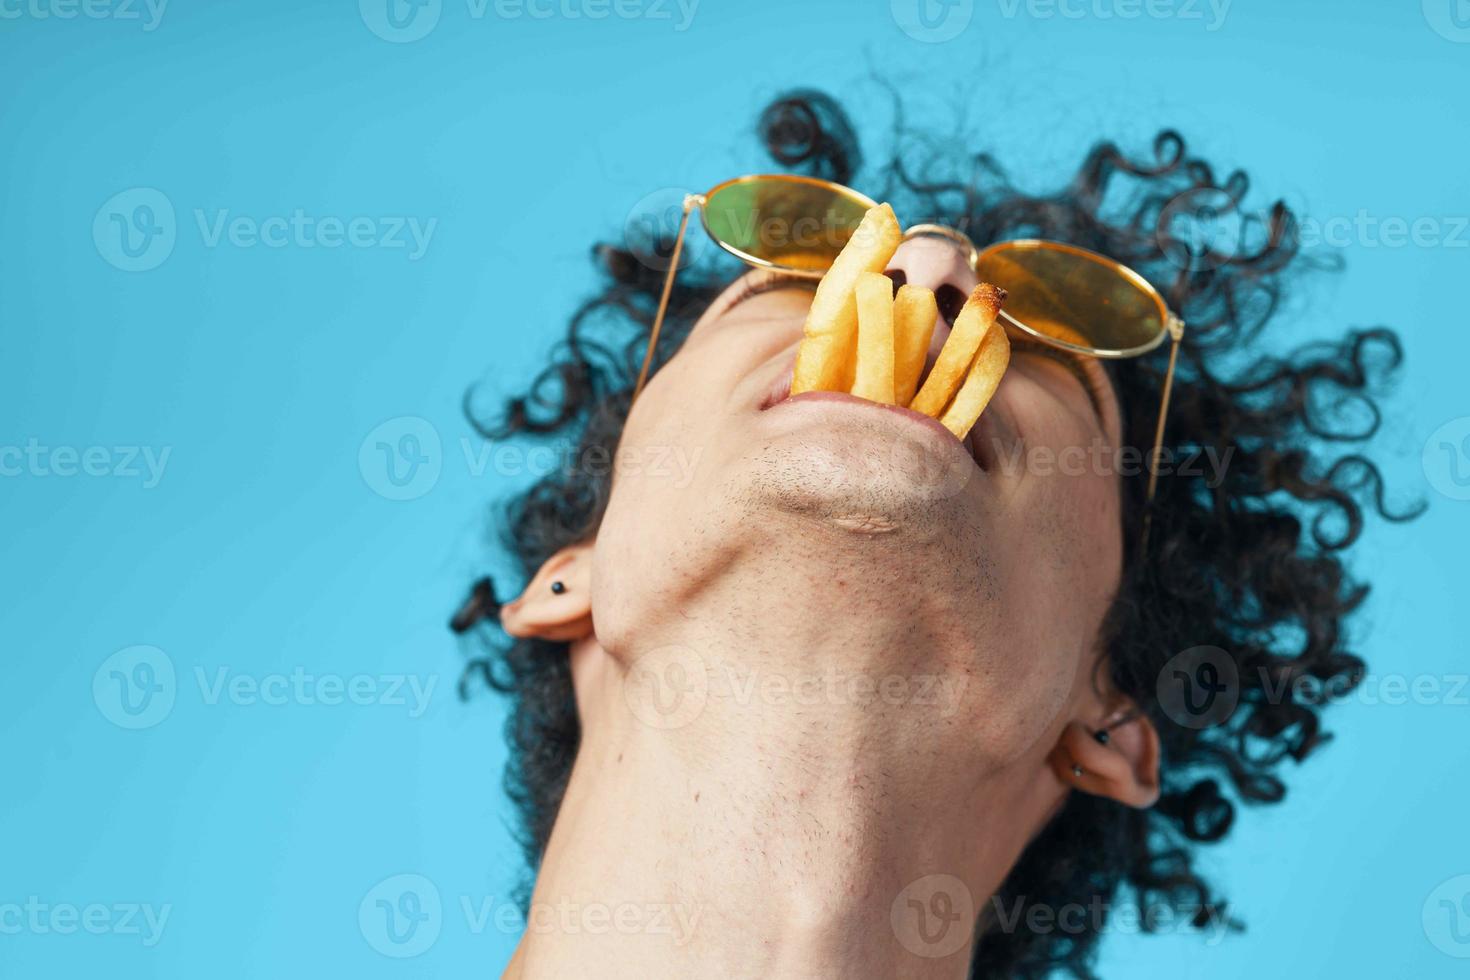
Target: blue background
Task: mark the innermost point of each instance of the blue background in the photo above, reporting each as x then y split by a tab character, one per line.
272	543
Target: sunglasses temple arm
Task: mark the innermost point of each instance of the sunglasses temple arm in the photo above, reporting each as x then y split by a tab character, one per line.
691	201
1176	335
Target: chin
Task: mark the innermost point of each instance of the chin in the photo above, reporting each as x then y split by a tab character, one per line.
856	481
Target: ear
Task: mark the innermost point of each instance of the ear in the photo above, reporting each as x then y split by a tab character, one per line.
1124	768
562	613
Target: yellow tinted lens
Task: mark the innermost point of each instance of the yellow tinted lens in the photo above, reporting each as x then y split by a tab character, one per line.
1075	296
795	223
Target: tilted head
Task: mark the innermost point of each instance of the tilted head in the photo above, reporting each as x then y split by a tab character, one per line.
737	529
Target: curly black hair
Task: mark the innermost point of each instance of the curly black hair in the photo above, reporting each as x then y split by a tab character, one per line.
1249	559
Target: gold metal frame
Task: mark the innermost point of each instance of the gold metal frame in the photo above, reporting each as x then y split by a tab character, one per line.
756	261
1171	327
1138	282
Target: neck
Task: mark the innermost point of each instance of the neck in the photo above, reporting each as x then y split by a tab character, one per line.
774	820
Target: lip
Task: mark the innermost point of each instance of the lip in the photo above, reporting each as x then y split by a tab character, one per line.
993	433
842	397
842	400
780	389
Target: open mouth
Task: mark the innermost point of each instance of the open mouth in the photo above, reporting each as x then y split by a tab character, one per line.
979	443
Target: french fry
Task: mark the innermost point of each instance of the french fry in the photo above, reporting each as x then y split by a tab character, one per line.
874	376
970	328
984	377
914	314
824	362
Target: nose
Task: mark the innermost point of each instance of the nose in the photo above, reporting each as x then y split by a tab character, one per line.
940	265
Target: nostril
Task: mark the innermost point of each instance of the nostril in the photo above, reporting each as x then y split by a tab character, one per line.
950	300
899	278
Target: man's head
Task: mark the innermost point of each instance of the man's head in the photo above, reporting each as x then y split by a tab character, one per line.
738	526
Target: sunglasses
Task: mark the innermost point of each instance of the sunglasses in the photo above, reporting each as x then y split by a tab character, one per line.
1061	295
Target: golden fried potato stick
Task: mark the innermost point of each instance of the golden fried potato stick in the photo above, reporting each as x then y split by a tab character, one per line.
874	377
970	328
990	364
914	314
824	362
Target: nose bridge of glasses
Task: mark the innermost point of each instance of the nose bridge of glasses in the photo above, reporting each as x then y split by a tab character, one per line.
934	262
956	238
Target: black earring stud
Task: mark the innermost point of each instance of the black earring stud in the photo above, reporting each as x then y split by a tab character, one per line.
1102	736
558	587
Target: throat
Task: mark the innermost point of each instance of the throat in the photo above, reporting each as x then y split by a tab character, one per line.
865	523
758	842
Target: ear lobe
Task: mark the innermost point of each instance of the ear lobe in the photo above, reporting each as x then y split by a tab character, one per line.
561	613
1125	768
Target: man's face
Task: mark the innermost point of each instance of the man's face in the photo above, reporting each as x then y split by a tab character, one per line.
1002	552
